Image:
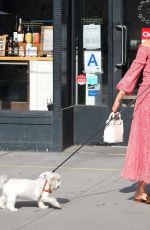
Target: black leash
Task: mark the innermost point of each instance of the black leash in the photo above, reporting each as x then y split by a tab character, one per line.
101	128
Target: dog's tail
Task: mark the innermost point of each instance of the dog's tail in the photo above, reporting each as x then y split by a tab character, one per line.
3	179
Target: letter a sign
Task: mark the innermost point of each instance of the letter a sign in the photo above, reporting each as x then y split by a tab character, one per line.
92	61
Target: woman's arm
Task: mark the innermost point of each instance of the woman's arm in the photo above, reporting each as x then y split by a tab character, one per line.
118	100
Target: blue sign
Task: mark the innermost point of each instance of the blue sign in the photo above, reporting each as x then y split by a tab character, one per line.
92	92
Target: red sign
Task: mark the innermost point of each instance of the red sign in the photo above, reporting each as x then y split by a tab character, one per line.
145	34
81	79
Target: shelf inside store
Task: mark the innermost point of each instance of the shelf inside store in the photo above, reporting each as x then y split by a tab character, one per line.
27	58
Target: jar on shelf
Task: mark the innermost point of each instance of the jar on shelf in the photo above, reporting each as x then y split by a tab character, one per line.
36	37
21	51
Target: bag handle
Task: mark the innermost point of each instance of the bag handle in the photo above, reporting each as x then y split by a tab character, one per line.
112	116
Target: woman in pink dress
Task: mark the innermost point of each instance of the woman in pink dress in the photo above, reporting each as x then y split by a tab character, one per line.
137	163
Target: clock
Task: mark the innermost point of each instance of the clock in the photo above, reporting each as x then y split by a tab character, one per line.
144	11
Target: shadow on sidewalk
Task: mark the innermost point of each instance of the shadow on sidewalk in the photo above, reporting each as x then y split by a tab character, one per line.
21	204
129	189
133	187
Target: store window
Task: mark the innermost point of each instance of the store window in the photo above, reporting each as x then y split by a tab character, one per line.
26	54
92	52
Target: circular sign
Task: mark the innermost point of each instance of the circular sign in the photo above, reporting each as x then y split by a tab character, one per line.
81	79
144	11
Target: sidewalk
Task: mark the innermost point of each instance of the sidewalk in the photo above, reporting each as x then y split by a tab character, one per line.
92	196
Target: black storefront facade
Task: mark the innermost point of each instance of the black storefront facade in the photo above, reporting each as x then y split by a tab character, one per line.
76	114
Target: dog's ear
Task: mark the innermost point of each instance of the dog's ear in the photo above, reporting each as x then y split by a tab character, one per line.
44	175
3	179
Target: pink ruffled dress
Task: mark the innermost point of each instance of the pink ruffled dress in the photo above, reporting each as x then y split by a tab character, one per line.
137	163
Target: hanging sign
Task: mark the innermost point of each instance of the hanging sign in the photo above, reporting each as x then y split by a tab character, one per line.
92	61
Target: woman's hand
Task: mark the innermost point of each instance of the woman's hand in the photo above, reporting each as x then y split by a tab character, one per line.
116	106
118	101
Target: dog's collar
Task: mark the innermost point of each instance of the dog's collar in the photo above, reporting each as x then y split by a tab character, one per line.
46	187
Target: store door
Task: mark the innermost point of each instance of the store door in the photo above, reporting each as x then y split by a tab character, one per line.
120	24
92	92
131	26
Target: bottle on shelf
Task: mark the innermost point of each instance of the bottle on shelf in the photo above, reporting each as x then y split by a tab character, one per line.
15	33
20	31
36	35
28	34
16	47
10	47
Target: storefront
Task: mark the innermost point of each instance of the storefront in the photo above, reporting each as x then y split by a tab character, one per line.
59	88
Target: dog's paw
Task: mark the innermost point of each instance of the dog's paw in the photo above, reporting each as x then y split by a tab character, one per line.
43	206
57	206
12	209
2	205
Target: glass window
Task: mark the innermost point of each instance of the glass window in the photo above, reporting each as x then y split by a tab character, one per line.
92	52
26	55
14	93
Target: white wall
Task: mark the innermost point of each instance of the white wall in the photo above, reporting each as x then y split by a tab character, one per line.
41	84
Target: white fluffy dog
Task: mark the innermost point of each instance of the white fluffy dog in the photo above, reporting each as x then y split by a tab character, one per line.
37	190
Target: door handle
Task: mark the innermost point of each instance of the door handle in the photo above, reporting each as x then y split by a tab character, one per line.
125	44
123	29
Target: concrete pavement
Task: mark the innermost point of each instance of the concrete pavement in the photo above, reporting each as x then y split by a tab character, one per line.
92	196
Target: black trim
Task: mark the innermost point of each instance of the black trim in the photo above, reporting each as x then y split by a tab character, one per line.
57	70
57	38
26	117
110	53
117	55
73	54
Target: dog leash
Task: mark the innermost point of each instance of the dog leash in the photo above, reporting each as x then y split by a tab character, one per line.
100	129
